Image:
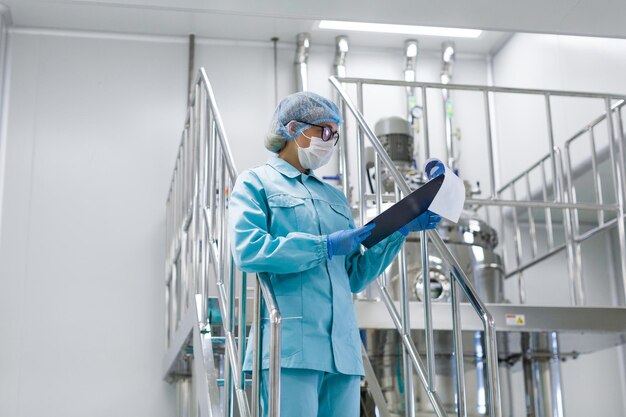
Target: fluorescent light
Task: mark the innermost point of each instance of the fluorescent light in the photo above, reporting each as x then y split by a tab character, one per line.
403	29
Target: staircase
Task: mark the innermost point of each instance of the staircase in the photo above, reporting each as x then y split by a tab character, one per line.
208	298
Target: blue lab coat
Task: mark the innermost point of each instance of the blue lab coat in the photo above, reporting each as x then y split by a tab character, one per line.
278	222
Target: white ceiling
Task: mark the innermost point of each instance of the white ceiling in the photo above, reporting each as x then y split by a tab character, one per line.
261	20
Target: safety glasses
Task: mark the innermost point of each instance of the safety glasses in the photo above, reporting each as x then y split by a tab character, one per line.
327	134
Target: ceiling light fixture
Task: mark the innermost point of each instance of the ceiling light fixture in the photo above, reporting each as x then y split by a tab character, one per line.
402	29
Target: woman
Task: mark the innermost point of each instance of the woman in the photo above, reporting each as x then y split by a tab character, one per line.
287	223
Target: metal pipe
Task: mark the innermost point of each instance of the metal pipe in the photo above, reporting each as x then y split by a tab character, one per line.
535	261
521	283
597	184
425	122
448	56
618	183
409	394
275	48
301	61
590	233
531	220
458	350
430	346
339	69
411	49
275	341
548	212
256	340
241	334
575	225
470	87
219	124
490	148
191	63
359	155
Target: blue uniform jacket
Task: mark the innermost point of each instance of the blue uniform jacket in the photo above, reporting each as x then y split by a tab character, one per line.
278	222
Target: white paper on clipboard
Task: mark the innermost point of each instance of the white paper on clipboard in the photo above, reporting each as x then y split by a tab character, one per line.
449	201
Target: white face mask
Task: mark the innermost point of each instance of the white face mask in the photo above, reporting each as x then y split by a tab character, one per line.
317	154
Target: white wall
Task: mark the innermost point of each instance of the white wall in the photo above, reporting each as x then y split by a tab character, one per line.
92	133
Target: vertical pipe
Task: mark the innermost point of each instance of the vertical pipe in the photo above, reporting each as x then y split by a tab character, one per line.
620	149
339	69
360	161
230	300
597	183
409	394
430	347
495	407
548	212
379	198
618	184
344	165
490	150
256	340
274	380
367	293
241	334
528	376
578	257
457	329
301	61
448	57
555	372
191	64
531	219
275	44
518	250
425	122
213	187
556	179
575	279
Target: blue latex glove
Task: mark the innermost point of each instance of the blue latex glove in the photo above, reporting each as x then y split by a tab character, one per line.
344	242
435	169
424	221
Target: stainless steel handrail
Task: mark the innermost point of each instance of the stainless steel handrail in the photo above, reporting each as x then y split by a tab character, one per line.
196	236
560	194
458	275
576	238
470	87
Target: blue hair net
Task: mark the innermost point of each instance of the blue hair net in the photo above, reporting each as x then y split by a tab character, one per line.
305	107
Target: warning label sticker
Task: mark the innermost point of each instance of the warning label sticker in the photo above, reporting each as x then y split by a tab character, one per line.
515	320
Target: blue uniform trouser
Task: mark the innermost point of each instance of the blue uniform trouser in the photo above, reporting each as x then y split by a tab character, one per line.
309	393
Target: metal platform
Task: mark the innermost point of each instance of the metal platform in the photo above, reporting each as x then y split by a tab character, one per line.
581	329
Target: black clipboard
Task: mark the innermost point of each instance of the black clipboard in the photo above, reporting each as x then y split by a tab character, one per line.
405	210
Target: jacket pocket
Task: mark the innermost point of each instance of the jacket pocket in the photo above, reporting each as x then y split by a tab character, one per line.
342	216
283	215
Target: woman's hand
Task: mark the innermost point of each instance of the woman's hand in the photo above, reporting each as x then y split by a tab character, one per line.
344	242
424	221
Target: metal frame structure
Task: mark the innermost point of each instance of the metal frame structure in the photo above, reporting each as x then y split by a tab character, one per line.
199	255
411	357
559	195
